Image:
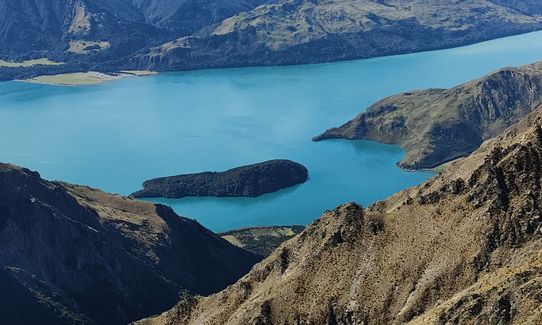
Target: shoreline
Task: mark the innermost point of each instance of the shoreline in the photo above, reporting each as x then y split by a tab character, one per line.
86	78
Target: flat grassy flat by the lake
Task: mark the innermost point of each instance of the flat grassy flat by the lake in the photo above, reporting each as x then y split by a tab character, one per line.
85	78
28	63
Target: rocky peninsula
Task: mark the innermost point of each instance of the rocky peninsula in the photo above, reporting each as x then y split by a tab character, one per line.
246	181
435	126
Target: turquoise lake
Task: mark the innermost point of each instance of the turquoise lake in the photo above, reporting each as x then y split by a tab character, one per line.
114	136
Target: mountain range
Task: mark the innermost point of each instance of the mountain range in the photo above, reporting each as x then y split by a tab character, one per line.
192	34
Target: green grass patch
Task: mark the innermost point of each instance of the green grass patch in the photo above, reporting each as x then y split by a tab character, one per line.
28	63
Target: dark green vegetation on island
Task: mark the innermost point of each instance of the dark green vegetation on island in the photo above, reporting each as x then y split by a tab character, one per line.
435	126
246	181
74	255
261	240
114	35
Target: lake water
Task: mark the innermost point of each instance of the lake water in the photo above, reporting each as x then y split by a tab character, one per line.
114	136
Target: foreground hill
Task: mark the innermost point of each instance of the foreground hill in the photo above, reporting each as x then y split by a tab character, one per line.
438	125
74	255
463	248
310	31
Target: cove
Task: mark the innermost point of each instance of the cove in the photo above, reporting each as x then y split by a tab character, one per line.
114	136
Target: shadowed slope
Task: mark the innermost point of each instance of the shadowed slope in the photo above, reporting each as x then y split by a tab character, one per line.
78	255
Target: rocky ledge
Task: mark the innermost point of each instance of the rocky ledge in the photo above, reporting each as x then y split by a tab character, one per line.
246	181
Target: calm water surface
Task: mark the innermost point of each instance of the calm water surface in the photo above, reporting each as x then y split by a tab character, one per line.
116	135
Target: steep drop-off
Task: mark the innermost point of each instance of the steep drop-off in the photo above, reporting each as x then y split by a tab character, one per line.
438	125
74	255
463	248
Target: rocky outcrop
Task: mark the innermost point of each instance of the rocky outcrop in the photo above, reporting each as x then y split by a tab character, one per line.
246	181
311	31
463	248
439	125
74	255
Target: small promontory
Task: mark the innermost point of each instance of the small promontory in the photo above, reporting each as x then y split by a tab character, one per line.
246	181
435	126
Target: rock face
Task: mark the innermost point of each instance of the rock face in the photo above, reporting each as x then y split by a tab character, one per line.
463	248
438	125
74	255
246	181
312	31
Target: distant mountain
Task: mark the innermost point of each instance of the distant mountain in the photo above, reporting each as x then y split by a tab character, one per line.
438	125
74	255
463	248
310	31
111	35
47	27
189	16
96	31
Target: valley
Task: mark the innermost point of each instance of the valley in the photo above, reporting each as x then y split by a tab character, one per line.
289	162
168	124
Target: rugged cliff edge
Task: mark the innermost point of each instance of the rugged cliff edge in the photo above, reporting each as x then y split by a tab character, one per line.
464	247
438	125
74	255
246	181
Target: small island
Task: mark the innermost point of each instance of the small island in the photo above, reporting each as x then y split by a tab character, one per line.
246	181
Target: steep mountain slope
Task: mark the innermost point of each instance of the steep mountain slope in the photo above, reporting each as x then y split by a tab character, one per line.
189	16
463	248
438	125
86	33
45	27
73	255
309	31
